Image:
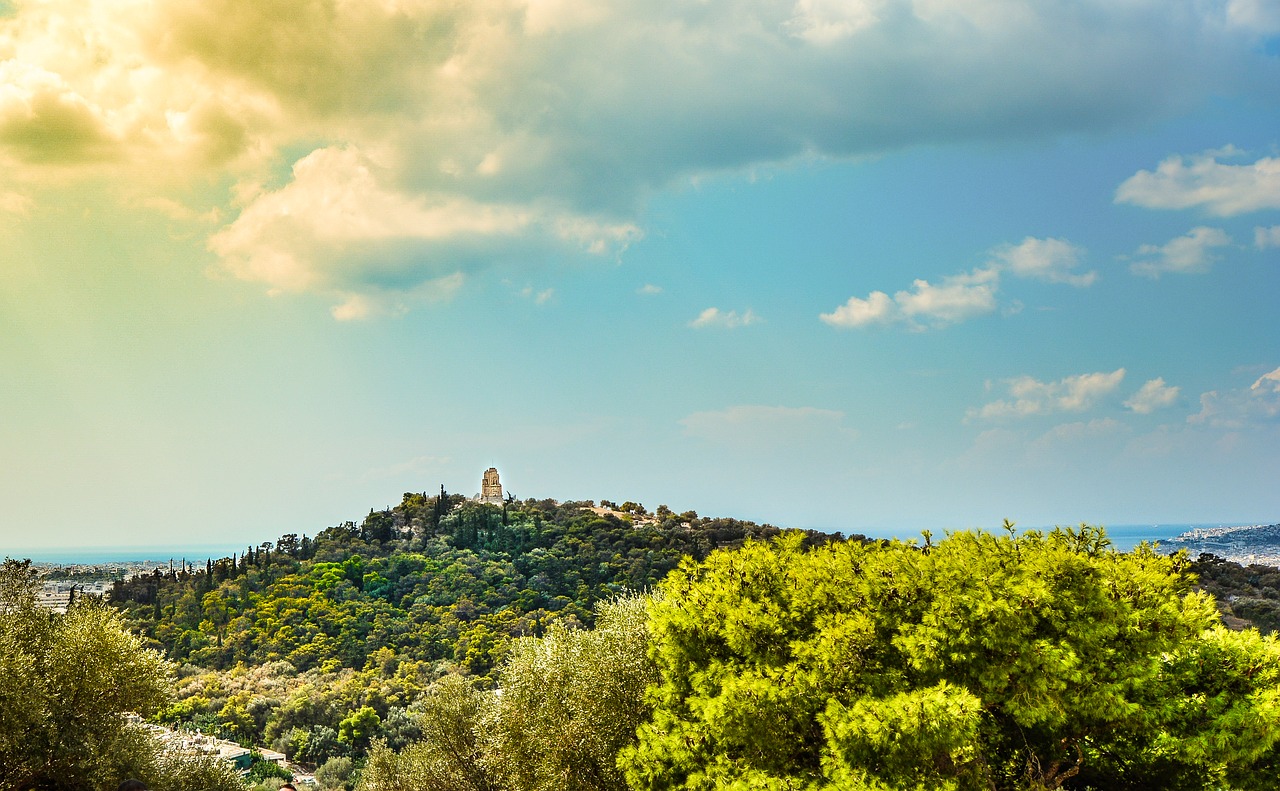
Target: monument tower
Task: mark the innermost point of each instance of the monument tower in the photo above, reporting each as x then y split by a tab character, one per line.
491	487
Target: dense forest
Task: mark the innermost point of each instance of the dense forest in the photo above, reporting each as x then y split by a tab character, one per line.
538	646
319	646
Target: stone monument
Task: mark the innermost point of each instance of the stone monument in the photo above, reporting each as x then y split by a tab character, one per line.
491	487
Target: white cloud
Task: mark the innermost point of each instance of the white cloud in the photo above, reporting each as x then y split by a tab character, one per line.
336	227
1190	253
493	121
1268	383
769	426
1238	408
964	296
957	298
1153	395
1265	238
877	308
1028	396
1048	259
1201	181
649	289
729	320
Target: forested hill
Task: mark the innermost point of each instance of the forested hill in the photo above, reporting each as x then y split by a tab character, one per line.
434	578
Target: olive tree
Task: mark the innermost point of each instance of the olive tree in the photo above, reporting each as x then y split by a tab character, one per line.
567	704
67	683
571	700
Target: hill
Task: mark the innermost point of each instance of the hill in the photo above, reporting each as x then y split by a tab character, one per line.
284	643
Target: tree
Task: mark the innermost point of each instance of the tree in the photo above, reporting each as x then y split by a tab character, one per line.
359	727
66	683
335	773
1026	661
571	700
452	716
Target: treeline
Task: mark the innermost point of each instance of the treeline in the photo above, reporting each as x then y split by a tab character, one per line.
318	646
434	578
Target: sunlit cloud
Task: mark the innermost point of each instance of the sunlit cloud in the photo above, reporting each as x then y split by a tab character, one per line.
493	122
1202	181
724	319
959	297
956	298
1028	396
337	227
1153	395
1053	260
1191	253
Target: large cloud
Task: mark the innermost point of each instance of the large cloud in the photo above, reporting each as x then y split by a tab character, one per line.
568	112
335	228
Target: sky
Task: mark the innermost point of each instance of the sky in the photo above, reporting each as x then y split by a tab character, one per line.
865	265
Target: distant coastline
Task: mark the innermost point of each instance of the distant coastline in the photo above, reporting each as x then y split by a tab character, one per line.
1123	537
89	555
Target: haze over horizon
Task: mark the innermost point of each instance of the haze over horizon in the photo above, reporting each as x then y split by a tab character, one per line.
880	263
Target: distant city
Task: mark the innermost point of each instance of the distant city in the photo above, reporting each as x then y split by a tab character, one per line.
1244	544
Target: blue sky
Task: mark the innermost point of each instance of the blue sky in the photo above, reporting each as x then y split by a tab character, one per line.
870	265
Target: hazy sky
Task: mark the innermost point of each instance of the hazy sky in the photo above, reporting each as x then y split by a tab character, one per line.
854	264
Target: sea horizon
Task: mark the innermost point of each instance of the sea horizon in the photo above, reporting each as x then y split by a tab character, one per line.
157	553
1123	538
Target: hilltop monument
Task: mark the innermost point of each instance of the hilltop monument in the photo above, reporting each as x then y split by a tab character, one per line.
490	487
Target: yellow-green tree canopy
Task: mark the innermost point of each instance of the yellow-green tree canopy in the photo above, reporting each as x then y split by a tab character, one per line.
1031	661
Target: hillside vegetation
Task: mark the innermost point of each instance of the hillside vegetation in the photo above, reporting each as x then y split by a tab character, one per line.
318	646
540	646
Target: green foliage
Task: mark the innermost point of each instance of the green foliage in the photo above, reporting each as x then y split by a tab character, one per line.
66	684
1013	662
453	716
261	769
336	773
359	728
370	615
1246	595
571	700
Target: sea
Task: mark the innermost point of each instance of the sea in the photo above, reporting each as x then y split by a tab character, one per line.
1123	538
193	553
